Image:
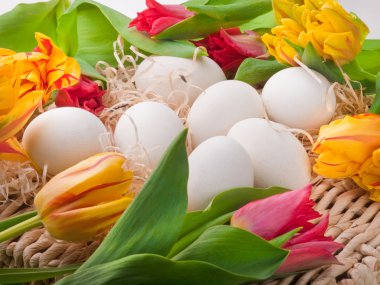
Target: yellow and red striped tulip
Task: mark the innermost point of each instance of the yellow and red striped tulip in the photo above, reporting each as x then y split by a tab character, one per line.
345	144
86	199
27	78
368	176
12	150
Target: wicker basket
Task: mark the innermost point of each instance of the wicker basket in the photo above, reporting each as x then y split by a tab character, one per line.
354	221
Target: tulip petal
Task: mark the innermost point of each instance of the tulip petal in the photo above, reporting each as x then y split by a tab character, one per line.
308	256
290	210
15	120
85	182
12	150
84	223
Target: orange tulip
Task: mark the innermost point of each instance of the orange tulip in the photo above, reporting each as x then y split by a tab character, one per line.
345	144
85	199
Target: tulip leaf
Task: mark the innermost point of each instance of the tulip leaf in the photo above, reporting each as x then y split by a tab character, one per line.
5	224
283	239
328	68
152	223
218	212
210	18
17	27
149	269
18	275
371	44
265	21
235	250
254	71
224	203
375	108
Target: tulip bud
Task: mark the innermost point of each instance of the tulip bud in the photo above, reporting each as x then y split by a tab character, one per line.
85	199
282	213
345	144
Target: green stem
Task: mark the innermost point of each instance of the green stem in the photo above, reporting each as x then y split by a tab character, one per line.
375	108
20	228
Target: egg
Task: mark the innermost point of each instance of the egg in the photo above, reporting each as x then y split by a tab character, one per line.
174	77
295	98
62	137
152	125
278	158
216	165
220	106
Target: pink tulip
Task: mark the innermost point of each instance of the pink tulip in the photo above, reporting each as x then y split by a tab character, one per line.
279	214
158	17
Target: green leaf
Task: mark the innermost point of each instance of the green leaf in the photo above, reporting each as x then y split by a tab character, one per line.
159	47
283	239
18	275
224	203
254	71
219	212
88	70
375	108
210	18
5	224
195	2
152	223
235	250
266	21
371	45
234	10
149	269
17	27
369	60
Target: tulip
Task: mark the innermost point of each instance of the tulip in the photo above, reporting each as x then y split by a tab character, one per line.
334	33
274	216
159	17
280	49
12	150
86	94
27	79
229	47
82	201
345	144
368	176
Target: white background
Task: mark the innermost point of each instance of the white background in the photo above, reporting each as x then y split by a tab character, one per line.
367	10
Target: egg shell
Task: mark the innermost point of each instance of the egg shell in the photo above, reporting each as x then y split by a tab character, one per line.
164	74
221	106
151	124
216	165
278	158
295	98
62	137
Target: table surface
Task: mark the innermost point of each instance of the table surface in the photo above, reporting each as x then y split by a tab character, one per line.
365	9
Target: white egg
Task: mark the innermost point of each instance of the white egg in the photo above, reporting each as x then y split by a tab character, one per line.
220	106
176	77
299	100
62	137
152	125
216	165
278	158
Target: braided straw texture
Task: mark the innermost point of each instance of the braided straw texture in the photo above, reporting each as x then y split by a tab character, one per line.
355	222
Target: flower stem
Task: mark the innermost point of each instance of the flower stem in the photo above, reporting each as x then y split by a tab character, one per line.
20	228
375	108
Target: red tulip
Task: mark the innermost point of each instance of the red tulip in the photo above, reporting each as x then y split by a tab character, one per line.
229	47
159	17
279	214
86	95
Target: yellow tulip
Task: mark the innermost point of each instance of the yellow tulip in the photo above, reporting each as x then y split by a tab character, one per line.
334	33
12	150
368	176
27	79
85	199
345	144
280	49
